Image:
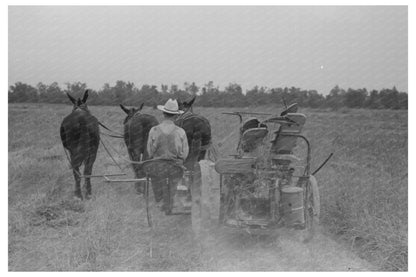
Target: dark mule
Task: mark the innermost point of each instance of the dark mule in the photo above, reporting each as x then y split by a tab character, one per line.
136	133
80	135
198	132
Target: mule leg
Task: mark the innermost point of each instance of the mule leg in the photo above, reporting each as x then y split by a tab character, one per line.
167	199
77	178
88	171
75	163
202	155
158	186
87	182
138	186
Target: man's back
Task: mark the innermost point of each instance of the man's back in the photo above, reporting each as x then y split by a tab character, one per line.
168	141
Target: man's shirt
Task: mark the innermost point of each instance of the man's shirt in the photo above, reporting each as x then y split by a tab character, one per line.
167	141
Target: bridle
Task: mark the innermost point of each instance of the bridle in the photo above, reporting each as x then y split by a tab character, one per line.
82	108
188	113
130	117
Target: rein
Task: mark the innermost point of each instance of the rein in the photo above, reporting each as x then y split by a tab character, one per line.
181	118
114	135
186	115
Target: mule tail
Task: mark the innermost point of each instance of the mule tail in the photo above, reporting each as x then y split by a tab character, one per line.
87	143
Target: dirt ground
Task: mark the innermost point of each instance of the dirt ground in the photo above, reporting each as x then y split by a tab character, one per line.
112	235
226	249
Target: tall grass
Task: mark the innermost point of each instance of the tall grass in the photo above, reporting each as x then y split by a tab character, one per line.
363	193
364	188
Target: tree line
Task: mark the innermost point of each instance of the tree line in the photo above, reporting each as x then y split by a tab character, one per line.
210	95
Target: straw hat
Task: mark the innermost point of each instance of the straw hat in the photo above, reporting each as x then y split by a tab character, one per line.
170	107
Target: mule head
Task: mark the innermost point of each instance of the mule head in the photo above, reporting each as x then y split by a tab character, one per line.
79	103
186	105
130	112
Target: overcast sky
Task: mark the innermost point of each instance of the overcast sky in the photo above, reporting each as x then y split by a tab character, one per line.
307	47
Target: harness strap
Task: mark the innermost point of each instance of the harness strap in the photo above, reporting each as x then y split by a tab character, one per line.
113	136
186	115
70	163
108	129
108	152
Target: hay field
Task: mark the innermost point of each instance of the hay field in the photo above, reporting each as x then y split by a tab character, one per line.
363	201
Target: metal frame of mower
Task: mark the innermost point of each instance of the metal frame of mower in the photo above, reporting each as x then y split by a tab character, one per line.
258	196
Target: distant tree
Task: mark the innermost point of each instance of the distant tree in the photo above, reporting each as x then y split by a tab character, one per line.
210	86
164	89
41	88
182	95
373	100
173	89
93	97
403	101
76	89
21	92
277	95
355	98
51	93
105	95
335	98
233	96
296	95
389	98
257	96
191	89
149	95
314	99
210	95
121	91
253	96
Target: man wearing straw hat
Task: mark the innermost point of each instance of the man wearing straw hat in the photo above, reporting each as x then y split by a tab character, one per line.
167	141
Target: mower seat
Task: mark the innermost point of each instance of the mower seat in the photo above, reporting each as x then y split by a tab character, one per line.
251	138
252	134
283	143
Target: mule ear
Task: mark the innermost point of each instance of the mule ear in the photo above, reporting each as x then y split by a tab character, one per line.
191	101
84	99
127	111
180	103
71	98
141	107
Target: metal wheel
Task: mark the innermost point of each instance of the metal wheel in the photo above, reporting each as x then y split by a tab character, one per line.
312	208
146	195
196	207
200	211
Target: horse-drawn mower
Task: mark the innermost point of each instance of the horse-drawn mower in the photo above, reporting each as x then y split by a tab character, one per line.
267	184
